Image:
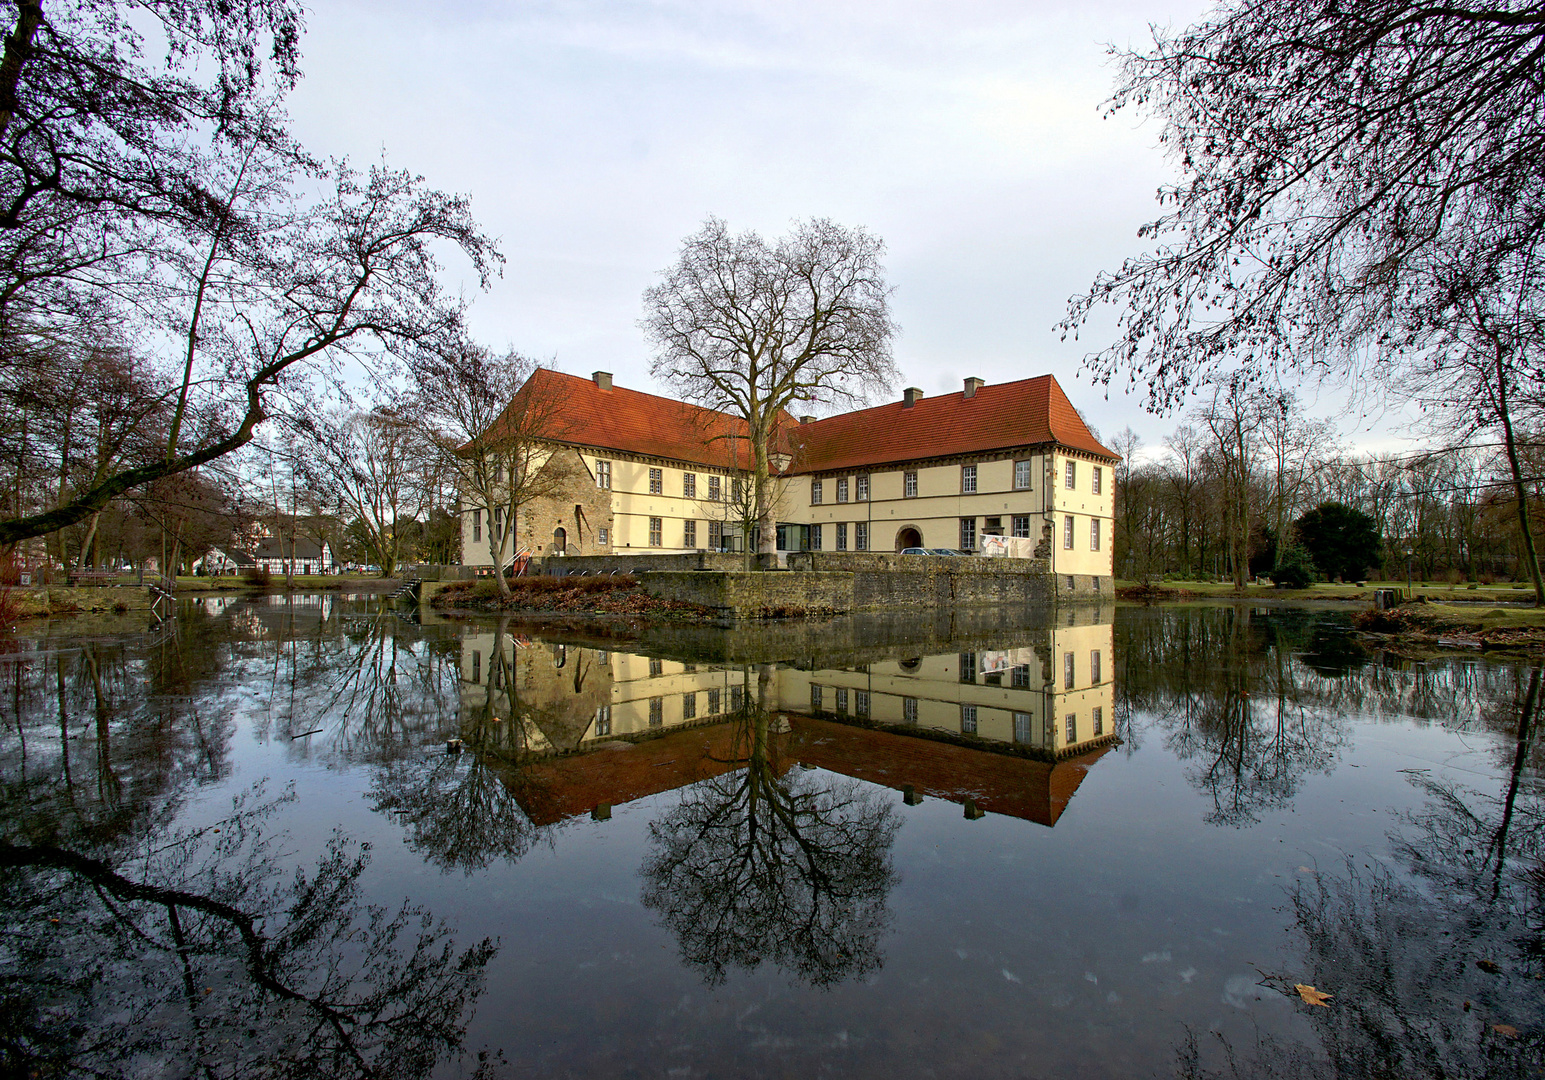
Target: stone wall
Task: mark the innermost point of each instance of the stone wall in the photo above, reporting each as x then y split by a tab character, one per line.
637	563
755	595
577	506
883	580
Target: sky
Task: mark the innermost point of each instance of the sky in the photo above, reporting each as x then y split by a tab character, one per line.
593	137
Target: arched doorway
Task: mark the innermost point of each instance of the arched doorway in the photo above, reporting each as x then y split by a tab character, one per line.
560	541
908	537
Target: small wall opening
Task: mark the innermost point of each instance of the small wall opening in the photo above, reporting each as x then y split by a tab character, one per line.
908	537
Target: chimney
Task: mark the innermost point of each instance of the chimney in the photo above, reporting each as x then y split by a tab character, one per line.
973	384
807	419
603	379
909	397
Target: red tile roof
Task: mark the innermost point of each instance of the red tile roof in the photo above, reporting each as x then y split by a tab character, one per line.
1029	412
634	422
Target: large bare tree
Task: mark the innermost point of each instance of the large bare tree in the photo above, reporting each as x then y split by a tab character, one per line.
751	328
491	425
148	181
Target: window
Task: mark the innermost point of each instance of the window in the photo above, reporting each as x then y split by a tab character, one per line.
968	667
968	534
689	533
1022	525
713	702
968	478
861	488
737	694
1067	535
655	531
842	700
1070	481
861	702
477	666
601	537
656	667
815	537
1021	727
842	536
968	719
603	475
716	534
1094	483
842	490
738	490
715	492
1022	475
689	706
1021	675
815	698
1099	720
1094	534
656	711
1067	671
1094	665
909	485
689	485
656	482
498	523
603	720
477	525
909	710
1071	725
861	536
815	493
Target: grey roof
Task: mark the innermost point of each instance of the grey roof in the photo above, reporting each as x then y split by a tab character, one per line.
277	548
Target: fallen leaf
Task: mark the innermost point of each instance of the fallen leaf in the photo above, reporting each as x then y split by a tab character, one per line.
1488	966
1505	1029
1312	996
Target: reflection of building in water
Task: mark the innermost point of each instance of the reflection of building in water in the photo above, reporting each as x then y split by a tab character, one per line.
1008	731
1054	696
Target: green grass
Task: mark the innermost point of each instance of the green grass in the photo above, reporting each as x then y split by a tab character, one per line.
1433	591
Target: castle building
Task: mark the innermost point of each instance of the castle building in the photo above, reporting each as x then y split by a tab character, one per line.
652	475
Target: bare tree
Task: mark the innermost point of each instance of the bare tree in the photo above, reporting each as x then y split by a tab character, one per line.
182	212
371	465
751	328
491	422
1333	159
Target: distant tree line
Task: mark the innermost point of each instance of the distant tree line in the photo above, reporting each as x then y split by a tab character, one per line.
1248	485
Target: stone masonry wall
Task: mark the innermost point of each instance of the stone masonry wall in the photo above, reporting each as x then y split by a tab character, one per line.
753	594
633	563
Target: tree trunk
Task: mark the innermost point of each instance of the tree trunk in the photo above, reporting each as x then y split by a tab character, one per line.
1519	496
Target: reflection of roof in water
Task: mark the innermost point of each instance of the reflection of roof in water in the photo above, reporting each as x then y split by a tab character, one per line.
621	772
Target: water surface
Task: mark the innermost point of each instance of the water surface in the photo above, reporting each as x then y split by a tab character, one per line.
310	836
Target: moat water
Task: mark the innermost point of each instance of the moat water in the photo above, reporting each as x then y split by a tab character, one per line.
310	836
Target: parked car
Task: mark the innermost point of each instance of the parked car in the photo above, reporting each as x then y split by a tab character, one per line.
915	551
947	551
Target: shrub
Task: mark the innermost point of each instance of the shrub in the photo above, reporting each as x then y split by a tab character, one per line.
257	576
485	589
1294	571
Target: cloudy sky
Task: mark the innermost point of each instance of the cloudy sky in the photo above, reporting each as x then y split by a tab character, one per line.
594	136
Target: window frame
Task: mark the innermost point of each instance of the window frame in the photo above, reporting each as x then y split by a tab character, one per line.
1069	670
656	532
1014	526
1067	532
842	536
842	489
715	488
656	481
817	492
815	536
1070	475
1097	481
689	485
968	720
1094	666
861	487
968	534
603	474
909	484
1027	464
1094	534
689	532
861	536
968	479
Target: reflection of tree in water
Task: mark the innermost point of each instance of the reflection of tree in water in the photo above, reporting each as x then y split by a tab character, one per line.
1462	921
759	865
1234	704
193	953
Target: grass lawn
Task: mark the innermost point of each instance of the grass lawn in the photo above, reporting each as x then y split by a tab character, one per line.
1509	592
